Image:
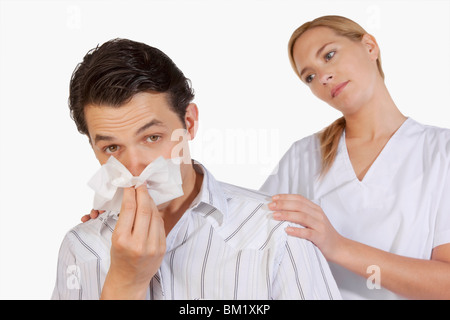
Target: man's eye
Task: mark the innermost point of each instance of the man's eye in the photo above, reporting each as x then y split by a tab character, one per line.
111	149
309	78
153	138
329	55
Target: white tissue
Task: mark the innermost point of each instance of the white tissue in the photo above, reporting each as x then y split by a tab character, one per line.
162	176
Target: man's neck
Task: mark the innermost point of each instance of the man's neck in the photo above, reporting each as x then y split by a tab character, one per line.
174	210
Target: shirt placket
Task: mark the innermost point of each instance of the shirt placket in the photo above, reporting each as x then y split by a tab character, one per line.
156	287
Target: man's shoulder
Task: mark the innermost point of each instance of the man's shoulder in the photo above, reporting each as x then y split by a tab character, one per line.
91	239
249	223
244	194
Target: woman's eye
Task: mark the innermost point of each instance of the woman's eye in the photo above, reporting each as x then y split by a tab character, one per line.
153	138
309	78
329	55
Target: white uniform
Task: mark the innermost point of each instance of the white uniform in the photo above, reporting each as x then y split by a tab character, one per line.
402	205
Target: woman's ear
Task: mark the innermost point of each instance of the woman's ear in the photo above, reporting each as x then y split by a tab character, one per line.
371	45
191	120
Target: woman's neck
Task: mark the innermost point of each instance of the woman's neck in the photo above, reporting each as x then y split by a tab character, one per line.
378	118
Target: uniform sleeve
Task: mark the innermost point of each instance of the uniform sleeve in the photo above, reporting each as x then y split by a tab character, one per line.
304	274
68	274
442	227
278	181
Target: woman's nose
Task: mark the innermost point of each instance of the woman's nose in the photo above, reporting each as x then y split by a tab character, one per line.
326	78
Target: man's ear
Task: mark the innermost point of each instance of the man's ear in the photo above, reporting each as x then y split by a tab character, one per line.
371	45
191	120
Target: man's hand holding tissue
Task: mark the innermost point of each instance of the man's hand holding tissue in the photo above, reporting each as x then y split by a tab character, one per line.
138	246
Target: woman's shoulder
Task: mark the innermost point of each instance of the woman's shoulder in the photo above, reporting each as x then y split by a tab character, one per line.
435	139
429	128
303	156
307	144
437	132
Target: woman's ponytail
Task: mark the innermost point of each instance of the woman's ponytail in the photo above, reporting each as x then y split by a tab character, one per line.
329	141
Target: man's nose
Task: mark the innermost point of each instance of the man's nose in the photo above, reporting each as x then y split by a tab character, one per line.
134	161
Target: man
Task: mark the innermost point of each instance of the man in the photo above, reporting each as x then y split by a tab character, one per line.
216	241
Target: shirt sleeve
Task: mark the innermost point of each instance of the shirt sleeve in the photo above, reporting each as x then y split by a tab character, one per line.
442	227
77	277
68	284
304	274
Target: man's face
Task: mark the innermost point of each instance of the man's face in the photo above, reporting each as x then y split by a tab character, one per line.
137	132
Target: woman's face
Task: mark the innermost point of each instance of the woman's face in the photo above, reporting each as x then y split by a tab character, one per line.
339	71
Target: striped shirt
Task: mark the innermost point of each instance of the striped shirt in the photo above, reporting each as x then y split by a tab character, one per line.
225	246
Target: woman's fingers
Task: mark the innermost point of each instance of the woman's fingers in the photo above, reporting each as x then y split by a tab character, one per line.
92	215
304	233
314	223
279	202
302	218
310	225
296	209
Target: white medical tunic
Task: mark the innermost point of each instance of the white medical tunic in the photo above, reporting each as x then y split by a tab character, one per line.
402	205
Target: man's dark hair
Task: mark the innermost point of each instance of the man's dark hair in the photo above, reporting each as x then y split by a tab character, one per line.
117	70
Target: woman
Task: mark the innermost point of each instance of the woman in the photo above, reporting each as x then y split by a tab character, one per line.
378	183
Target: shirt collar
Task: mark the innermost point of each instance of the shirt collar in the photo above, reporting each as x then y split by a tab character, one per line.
211	202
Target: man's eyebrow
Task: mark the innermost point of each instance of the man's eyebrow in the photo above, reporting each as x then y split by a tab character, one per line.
99	137
318	53
152	123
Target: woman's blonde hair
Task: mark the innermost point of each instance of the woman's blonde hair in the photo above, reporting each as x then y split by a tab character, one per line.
330	136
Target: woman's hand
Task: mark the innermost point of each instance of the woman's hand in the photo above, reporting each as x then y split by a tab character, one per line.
398	273
93	215
317	227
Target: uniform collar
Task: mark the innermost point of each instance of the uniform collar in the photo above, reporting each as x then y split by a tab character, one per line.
382	171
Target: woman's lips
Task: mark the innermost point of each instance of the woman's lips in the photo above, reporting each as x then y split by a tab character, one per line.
338	89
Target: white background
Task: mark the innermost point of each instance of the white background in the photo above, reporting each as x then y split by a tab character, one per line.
252	106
